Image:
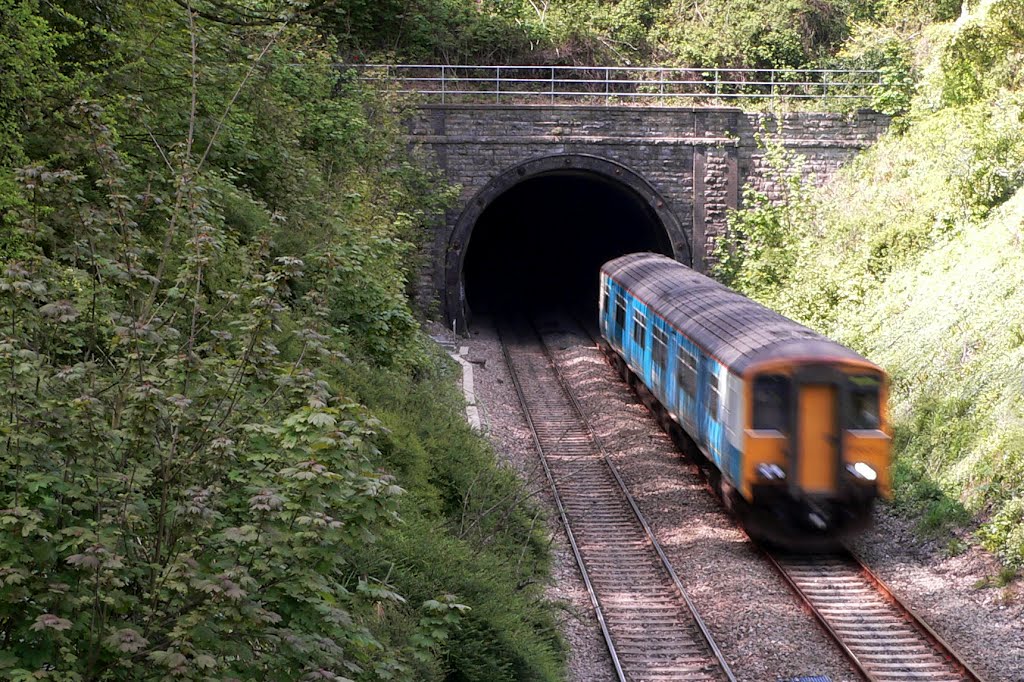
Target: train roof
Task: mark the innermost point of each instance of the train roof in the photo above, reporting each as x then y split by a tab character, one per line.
739	332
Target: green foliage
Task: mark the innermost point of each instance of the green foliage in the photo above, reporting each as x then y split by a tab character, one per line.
27	78
468	527
745	34
772	34
871	46
911	256
985	52
178	487
195	256
760	252
1004	534
448	31
913	14
993	164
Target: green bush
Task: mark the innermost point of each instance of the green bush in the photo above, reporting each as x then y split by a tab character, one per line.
1004	533
871	46
985	53
469	527
191	272
759	253
911	257
993	168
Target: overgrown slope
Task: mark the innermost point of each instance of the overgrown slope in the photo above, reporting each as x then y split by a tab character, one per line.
727	33
226	450
913	256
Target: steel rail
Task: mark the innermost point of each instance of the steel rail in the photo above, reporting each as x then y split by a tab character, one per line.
610	69
621	82
933	658
561	510
648	531
629	95
711	649
928	658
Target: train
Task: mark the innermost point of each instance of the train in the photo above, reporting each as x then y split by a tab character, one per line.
793	427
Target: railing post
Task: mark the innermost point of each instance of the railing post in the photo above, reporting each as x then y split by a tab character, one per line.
607	85
824	88
444	84
552	85
718	81
773	84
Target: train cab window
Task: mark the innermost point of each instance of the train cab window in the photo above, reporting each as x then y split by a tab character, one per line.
686	372
865	403
659	347
640	329
604	297
620	311
771	403
713	394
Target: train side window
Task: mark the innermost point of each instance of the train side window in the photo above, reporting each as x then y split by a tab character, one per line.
865	403
659	347
620	310
686	372
713	399
639	328
771	402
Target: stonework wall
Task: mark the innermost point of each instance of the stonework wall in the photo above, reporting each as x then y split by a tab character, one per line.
689	164
826	141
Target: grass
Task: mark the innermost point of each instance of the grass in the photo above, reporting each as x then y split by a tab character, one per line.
943	327
912	256
468	529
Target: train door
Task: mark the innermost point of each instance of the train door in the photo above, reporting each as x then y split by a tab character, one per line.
637	344
686	387
817	430
711	412
659	359
602	308
617	324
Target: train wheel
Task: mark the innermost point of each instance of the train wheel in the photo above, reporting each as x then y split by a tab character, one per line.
728	494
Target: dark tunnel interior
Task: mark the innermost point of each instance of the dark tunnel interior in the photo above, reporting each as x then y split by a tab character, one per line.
539	246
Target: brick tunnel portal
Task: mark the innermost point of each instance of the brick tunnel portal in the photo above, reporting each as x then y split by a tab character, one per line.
540	243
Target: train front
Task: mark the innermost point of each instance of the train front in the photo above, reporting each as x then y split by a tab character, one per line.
817	445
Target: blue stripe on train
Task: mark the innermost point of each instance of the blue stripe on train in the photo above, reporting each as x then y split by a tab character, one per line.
691	413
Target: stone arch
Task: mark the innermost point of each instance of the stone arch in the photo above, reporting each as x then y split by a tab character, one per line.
608	171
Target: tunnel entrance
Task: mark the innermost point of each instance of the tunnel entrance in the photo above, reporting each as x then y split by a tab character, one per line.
539	244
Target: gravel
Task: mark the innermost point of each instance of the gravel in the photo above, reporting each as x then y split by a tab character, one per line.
763	631
507	430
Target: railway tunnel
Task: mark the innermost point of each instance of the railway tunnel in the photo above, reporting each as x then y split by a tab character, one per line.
539	241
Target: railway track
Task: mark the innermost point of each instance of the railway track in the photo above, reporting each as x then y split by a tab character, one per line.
883	638
651	628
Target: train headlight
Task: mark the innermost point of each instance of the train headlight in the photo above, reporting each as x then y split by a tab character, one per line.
771	472
862	470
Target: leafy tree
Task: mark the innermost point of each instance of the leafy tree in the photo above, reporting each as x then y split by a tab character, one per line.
985	53
209	225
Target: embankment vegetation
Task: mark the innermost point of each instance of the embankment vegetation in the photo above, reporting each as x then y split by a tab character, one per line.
913	256
226	449
700	33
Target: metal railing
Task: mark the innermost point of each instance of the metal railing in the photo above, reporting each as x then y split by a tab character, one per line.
616	84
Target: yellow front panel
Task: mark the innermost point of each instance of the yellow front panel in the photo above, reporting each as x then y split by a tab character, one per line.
760	447
816	456
872	448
